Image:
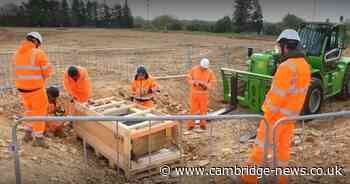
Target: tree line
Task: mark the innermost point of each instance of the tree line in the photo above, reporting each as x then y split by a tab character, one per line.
62	13
247	17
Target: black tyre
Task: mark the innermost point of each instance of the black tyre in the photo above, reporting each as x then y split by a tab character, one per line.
345	92
314	98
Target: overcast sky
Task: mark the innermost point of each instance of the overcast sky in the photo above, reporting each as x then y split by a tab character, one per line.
273	10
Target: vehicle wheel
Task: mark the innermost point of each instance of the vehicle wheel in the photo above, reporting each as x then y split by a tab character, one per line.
345	92
314	98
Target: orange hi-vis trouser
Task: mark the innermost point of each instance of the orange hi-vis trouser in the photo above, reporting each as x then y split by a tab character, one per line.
199	105
283	143
147	103
36	104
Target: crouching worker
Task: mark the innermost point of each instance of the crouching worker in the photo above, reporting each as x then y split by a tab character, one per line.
144	88
77	83
55	109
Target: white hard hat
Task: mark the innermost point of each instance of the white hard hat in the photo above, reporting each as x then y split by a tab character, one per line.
37	36
205	63
289	34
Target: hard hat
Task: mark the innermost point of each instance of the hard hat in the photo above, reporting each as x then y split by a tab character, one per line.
205	63
72	71
141	70
289	34
37	36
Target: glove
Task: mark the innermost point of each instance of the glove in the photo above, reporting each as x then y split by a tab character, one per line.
203	86
150	91
59	111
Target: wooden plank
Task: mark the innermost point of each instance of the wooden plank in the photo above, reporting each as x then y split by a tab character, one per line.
137	134
139	113
105	106
154	142
104	99
140	109
108	152
156	159
146	123
170	77
123	130
117	111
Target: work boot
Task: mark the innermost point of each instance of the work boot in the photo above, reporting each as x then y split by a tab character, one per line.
27	136
40	142
203	127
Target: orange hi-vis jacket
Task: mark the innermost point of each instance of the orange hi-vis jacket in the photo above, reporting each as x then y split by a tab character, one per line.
195	75
31	67
141	88
80	90
285	99
289	88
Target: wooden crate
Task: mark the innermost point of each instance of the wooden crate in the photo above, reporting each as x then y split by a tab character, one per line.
132	146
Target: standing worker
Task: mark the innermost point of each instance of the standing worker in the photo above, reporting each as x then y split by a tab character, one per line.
201	79
31	72
144	88
285	99
76	81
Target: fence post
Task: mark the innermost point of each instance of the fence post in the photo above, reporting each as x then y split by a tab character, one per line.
14	148
149	151
226	56
189	56
266	146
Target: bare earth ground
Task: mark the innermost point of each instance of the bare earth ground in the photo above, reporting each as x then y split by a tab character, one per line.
326	143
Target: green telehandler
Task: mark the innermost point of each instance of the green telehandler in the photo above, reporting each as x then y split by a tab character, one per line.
323	44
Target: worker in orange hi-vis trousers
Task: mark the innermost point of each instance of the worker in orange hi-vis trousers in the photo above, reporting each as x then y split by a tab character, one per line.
285	99
201	79
76	81
31	72
144	88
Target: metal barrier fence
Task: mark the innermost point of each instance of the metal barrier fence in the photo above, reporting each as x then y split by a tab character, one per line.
212	119
120	64
327	147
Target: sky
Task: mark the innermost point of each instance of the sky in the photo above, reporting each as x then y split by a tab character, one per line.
273	10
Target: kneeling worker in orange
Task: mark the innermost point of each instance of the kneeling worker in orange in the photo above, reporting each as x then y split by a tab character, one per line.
55	109
201	79
76	81
285	99
31	71
144	88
